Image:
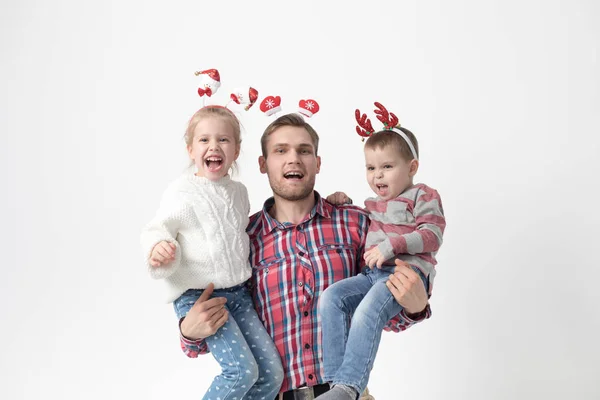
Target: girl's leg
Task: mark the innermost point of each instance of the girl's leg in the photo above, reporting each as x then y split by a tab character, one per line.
266	357
238	370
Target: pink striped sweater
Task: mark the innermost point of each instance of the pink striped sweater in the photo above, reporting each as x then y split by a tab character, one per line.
409	227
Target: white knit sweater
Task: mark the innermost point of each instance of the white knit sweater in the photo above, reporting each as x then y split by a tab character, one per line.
207	222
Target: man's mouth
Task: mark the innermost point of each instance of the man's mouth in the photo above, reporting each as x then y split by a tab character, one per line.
293	175
213	163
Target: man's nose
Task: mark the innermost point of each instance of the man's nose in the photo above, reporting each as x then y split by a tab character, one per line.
293	157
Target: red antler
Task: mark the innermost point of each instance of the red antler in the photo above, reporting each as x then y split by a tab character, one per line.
389	119
365	123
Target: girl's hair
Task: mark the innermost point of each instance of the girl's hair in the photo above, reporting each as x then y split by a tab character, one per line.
386	138
215	112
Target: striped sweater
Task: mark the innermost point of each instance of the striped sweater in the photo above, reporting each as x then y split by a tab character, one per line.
409	227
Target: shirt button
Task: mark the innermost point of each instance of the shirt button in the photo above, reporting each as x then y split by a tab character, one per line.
300	284
338	251
306	313
307	346
310	376
301	254
298	228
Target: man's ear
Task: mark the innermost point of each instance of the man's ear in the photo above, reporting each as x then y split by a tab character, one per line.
414	167
318	164
262	163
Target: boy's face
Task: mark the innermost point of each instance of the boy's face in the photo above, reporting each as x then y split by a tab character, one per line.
388	173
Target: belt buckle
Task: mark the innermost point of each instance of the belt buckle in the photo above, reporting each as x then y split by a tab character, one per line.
304	393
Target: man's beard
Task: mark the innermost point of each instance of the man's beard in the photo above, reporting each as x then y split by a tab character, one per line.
292	194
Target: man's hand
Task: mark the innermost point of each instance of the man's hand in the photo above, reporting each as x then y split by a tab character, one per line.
407	288
163	253
339	198
205	317
374	258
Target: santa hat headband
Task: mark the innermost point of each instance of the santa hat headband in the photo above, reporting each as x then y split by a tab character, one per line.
210	82
271	105
390	123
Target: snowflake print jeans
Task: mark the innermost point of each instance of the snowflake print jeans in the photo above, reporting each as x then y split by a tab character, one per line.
250	364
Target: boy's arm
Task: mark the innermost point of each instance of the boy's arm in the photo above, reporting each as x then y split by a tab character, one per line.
427	238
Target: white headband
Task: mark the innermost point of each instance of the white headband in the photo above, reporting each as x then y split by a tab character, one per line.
407	140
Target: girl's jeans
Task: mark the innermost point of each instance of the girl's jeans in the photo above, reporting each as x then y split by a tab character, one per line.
251	366
349	350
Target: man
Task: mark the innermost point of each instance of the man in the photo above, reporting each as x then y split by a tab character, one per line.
299	245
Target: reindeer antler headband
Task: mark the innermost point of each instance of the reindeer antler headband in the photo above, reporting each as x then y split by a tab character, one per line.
390	123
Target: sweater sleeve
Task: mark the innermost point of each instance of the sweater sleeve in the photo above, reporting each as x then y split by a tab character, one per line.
164	227
427	237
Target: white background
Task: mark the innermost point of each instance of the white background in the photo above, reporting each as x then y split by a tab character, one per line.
503	96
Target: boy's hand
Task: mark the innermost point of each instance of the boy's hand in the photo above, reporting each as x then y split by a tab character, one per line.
374	258
163	253
339	198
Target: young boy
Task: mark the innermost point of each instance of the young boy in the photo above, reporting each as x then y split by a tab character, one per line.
407	222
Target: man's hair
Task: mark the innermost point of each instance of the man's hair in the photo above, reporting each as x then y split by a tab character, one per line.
386	138
288	120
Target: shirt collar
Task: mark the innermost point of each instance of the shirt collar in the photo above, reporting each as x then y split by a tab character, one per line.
321	207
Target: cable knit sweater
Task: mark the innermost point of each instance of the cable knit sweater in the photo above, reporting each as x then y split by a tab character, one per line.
207	222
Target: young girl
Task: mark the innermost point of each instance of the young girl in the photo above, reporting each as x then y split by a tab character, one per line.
199	237
407	222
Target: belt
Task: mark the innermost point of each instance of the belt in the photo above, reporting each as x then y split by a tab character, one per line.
304	392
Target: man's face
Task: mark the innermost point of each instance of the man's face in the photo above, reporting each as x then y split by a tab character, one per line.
291	163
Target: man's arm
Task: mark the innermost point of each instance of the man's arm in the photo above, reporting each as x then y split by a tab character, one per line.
409	291
204	318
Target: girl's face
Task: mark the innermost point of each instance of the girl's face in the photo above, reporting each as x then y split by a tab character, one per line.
214	148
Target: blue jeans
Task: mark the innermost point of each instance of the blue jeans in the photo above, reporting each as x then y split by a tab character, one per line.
350	346
250	364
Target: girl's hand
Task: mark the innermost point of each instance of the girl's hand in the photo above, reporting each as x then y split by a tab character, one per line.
162	254
339	198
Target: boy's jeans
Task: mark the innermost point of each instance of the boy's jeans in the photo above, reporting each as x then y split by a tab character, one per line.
251	366
349	351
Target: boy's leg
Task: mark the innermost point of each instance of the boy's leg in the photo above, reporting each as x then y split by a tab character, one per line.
336	305
257	340
377	307
374	311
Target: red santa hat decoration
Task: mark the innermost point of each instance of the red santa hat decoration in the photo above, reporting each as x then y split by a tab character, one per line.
245	96
210	81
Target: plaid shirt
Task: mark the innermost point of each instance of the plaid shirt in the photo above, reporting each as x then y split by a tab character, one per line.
292	266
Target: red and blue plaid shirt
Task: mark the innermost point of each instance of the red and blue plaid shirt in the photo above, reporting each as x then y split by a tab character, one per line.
292	266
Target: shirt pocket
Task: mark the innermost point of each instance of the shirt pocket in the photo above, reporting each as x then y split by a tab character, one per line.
269	263
334	261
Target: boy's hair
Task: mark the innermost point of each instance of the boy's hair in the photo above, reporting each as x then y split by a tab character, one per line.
213	111
386	138
288	120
